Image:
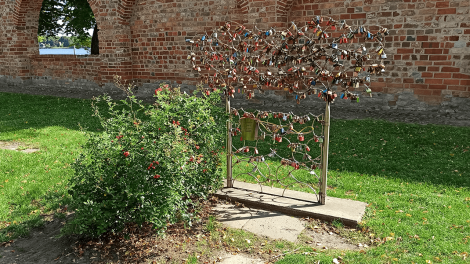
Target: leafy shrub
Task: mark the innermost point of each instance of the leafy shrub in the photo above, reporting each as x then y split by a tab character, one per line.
149	161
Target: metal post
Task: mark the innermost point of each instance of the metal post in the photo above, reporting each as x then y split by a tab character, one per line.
326	143
229	144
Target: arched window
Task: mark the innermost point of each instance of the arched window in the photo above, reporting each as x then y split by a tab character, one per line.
67	24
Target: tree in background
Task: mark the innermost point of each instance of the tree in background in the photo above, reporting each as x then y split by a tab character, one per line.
71	17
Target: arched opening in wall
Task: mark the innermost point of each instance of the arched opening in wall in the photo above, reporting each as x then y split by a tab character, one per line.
67	27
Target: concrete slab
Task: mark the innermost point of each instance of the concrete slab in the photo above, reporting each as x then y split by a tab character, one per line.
232	216
295	203
264	223
239	259
275	225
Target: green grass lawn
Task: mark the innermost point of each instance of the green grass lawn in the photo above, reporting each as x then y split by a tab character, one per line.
34	184
415	178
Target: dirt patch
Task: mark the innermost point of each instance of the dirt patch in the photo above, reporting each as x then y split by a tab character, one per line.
203	242
16	146
323	236
42	247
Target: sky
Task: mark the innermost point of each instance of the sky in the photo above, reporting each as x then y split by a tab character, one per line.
90	31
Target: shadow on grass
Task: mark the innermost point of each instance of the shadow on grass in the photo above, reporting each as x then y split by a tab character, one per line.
434	154
24	111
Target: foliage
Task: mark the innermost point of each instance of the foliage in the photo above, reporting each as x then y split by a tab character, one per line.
75	16
406	172
79	42
149	161
65	41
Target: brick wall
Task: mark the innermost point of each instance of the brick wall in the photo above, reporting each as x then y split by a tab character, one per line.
429	43
145	41
67	67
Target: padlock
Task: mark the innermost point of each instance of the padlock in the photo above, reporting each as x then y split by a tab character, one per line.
301	137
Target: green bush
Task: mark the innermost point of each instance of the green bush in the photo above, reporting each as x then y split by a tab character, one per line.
148	163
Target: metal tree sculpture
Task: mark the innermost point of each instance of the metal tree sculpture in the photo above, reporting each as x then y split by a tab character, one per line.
305	61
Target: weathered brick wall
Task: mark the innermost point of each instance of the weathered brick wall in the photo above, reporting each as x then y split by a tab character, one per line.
67	67
429	43
428	64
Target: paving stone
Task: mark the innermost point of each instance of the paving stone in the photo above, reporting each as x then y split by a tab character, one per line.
274	225
264	223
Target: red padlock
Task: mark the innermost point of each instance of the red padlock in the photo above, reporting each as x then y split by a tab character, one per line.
246	149
307	148
301	137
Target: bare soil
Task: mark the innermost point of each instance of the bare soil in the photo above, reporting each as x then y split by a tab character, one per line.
142	245
12	145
